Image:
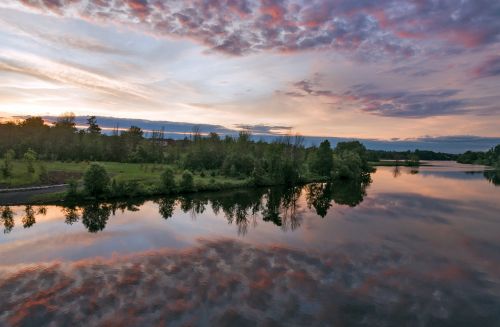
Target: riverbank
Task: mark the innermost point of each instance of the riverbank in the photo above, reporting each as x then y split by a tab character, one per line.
48	184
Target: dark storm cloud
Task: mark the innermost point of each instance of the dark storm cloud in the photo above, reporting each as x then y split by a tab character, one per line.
367	29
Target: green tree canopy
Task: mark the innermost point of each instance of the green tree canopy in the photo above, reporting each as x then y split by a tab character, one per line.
96	180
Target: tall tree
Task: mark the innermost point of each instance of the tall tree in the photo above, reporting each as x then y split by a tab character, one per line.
323	161
93	128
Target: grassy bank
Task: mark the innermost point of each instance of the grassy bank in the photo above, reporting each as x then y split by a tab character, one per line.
143	179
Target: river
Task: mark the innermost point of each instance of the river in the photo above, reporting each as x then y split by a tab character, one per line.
415	247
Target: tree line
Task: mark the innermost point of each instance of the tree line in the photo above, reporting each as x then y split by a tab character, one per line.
488	158
285	161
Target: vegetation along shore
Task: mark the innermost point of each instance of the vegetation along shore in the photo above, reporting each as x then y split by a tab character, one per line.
126	164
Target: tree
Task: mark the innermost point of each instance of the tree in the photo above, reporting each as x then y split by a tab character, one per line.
322	163
30	158
93	128
7	163
66	121
187	181
168	180
96	180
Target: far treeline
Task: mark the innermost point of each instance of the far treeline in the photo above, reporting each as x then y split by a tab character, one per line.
286	161
488	158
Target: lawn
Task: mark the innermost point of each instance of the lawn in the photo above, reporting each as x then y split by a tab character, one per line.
58	172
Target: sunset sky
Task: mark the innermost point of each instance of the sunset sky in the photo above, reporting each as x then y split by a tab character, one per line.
347	68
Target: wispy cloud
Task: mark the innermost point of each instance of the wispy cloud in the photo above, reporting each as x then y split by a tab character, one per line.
489	68
397	103
67	74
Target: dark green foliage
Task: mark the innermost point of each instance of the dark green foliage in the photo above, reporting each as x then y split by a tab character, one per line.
44	175
72	189
258	175
7	165
322	162
30	157
412	161
376	155
125	189
96	180
187	181
168	181
350	161
285	161
93	127
489	158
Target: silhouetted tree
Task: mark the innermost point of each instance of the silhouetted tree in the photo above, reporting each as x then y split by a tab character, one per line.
93	128
322	163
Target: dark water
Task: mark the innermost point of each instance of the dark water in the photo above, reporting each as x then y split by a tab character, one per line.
413	248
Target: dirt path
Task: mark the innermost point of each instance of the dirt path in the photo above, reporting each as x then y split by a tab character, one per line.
24	195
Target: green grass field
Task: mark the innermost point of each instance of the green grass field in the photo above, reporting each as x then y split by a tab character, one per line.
62	172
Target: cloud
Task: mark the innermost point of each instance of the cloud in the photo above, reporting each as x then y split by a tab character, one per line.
68	74
369	30
370	99
265	129
489	68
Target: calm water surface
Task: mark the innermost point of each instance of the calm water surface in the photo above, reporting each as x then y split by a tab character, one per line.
416	247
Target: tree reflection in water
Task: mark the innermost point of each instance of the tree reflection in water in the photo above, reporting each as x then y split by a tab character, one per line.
29	217
7	217
71	215
493	176
166	207
243	208
95	216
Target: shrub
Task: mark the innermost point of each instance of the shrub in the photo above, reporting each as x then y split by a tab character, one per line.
72	188
30	157
168	180
7	163
187	181
96	180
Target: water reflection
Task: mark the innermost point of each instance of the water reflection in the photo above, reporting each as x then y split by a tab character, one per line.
7	216
493	176
241	207
417	250
95	216
29	217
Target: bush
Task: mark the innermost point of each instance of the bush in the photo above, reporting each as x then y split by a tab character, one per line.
7	163
168	181
44	175
30	157
96	180
72	189
187	182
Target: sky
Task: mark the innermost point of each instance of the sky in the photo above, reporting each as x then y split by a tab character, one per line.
388	70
